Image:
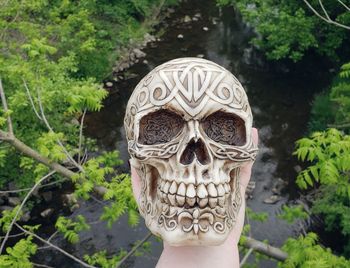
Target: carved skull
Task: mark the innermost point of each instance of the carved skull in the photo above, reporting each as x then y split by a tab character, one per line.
188	125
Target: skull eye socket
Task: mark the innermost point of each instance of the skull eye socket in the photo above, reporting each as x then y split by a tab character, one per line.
225	128
159	127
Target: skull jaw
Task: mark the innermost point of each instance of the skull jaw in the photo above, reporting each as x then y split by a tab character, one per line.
193	227
178	237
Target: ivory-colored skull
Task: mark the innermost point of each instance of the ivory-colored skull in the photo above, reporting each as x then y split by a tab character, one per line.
188	125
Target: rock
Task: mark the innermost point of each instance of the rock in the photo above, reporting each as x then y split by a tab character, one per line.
46	213
200	56
100	190
278	186
47	196
198	15
187	19
69	199
25	217
14	201
4	195
145	62
75	122
195	19
138	53
214	22
3	208
250	187
171	10
205	29
273	199
180	36
109	84
297	168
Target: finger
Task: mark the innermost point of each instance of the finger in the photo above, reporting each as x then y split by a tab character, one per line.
135	183
246	170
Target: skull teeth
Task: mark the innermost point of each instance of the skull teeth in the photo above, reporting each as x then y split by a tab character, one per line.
180	194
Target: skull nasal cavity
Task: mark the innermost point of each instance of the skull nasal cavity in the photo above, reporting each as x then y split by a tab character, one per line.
195	149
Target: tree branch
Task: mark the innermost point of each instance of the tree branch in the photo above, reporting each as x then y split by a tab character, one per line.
344	5
132	251
326	19
246	256
31	100
21	207
28	189
4	105
25	149
265	249
55	247
81	135
58	140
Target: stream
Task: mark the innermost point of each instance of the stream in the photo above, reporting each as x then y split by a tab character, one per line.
280	95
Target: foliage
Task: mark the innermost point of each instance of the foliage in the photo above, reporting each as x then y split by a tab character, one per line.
19	255
305	252
288	29
102	260
7	217
329	153
290	214
53	57
256	216
70	229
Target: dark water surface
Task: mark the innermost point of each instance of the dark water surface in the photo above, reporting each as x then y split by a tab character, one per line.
280	97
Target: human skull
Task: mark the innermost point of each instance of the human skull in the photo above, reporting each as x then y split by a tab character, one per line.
188	125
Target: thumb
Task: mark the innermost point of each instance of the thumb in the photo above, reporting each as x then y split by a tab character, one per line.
246	170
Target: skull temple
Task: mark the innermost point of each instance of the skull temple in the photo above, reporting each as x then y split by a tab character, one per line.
188	125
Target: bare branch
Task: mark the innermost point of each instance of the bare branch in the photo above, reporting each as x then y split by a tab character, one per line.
344	5
25	149
4	105
21	207
328	20
58	140
41	265
27	189
49	240
55	247
131	252
246	256
81	135
324	10
265	249
13	236
31	100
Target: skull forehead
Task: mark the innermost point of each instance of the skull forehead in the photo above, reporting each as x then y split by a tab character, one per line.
194	88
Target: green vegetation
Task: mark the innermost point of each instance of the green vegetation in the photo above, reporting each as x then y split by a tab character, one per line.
289	29
53	57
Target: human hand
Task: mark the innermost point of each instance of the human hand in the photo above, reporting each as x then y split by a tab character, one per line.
224	255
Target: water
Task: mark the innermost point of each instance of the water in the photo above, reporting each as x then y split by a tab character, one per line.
280	96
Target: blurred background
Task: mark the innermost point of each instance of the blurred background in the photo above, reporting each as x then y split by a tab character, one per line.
291	58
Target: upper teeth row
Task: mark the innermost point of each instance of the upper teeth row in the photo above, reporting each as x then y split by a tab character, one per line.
191	190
